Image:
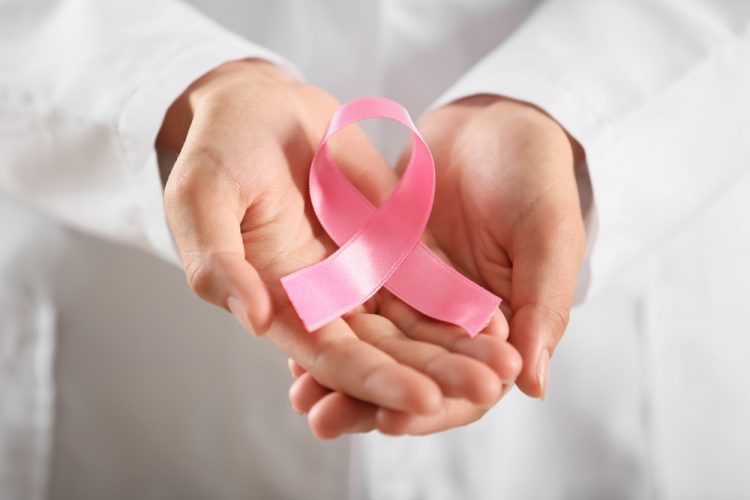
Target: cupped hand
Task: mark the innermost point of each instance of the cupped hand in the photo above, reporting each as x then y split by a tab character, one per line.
507	214
236	201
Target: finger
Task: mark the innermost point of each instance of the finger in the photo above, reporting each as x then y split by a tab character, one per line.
545	267
454	413
294	368
491	350
305	392
337	359
204	211
343	414
498	325
337	413
457	375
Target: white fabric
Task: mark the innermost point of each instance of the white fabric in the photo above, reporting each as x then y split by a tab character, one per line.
27	337
160	396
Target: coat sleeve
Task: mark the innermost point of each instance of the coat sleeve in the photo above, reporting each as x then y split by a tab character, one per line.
656	91
84	86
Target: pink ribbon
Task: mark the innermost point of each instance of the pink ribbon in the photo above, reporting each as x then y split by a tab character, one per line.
381	246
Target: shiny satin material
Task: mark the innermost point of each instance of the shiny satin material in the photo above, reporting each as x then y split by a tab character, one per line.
381	246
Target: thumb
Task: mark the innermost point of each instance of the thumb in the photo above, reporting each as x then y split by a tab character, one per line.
205	211
545	267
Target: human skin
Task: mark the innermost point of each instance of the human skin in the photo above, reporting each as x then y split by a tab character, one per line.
507	214
236	201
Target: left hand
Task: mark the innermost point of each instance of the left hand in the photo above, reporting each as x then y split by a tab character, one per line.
507	214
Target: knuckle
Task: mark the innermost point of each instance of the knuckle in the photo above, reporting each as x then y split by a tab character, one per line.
327	357
371	375
200	276
196	169
180	187
558	317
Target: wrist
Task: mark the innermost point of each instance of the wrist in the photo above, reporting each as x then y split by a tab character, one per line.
222	80
529	117
554	127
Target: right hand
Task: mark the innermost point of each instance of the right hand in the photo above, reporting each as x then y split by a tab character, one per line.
236	203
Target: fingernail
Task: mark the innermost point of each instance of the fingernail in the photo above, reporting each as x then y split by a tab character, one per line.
240	313
541	371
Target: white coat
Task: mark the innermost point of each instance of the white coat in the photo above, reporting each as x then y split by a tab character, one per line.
150	393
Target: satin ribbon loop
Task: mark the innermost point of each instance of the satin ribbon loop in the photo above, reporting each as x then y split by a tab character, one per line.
381	246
